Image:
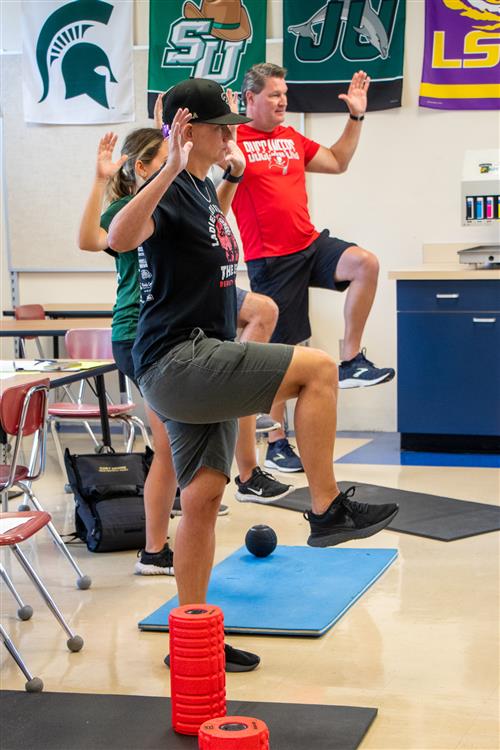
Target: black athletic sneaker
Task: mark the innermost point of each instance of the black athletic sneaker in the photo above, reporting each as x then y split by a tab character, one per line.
236	660
359	372
262	487
155	563
177	510
346	519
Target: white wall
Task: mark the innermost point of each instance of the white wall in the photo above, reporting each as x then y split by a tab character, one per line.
401	191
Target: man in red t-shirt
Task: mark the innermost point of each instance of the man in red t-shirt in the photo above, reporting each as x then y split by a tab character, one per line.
285	254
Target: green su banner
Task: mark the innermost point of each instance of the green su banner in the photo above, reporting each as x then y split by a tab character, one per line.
217	39
325	42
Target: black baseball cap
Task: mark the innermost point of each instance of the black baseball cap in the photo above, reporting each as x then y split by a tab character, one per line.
205	99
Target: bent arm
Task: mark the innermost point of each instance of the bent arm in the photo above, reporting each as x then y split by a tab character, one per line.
235	161
134	224
91	236
336	159
225	194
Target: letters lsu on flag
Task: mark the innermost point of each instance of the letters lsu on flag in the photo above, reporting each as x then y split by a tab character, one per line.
77	61
461	66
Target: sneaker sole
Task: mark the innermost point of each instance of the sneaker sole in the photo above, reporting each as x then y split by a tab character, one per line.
230	667
355	383
271	465
141	569
243	497
330	540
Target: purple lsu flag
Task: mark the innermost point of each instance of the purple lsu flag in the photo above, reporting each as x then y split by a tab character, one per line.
461	68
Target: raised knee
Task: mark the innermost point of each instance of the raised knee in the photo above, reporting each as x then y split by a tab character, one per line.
326	369
272	311
368	263
267	313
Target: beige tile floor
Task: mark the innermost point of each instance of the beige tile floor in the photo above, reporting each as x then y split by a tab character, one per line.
421	645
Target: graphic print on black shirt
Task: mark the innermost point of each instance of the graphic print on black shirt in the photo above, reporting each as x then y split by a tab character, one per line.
223	236
187	271
145	277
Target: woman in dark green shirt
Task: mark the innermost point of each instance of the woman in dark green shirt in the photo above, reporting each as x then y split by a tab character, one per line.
144	152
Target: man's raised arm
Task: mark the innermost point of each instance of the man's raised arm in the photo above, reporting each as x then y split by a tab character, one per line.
336	159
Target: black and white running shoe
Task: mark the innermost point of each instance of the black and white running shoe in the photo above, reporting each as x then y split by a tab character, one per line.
155	563
262	487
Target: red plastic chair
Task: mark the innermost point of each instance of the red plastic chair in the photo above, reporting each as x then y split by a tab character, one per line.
92	343
30	312
23	526
23	412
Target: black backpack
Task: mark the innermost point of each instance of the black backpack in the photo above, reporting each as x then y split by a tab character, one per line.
109	498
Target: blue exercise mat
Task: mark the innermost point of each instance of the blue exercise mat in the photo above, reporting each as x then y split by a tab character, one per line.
298	591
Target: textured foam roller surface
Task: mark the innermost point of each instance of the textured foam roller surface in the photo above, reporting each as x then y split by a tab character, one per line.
197	662
234	733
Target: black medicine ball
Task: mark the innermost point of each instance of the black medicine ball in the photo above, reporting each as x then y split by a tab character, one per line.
261	540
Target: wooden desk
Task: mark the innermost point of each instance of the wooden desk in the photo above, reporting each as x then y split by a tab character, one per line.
54	328
57	379
73	310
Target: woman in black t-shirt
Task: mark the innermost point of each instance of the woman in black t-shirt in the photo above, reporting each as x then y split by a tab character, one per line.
188	366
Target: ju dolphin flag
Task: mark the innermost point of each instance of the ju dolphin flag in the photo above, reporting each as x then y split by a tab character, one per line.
326	41
216	39
77	61
461	67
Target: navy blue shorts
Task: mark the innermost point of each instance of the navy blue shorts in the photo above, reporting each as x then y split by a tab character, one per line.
122	354
287	278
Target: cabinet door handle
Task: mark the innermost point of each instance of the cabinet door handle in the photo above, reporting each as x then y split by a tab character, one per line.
484	320
447	296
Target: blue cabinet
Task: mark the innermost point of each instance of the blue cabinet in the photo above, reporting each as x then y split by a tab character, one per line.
449	365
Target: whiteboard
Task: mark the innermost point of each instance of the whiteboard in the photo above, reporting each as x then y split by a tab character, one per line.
49	172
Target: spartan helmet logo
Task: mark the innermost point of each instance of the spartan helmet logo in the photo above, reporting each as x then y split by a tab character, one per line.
61	37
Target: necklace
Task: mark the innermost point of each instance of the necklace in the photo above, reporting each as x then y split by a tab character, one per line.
205	197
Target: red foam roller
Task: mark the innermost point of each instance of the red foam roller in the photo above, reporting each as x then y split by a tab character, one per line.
197	666
233	733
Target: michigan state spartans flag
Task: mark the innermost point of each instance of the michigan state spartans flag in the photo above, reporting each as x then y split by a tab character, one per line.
77	61
217	39
326	41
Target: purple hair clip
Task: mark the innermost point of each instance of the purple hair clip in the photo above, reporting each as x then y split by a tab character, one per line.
165	129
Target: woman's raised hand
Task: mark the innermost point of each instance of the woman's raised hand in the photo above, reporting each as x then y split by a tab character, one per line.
105	166
178	146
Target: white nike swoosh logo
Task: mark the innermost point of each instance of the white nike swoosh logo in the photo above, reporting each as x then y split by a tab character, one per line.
256	492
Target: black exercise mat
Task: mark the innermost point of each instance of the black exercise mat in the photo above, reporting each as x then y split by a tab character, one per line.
77	721
419	514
